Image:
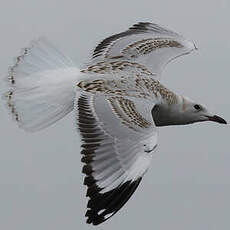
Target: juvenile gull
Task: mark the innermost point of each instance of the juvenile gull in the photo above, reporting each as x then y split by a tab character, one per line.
118	101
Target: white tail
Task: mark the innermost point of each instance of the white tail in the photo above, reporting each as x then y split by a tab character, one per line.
41	86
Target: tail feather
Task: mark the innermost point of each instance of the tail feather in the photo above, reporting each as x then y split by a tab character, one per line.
41	86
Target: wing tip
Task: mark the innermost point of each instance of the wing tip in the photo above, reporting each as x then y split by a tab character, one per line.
103	206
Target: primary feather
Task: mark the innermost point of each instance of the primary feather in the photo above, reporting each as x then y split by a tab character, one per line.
118	142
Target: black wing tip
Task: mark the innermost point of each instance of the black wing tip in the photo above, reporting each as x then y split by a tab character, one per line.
134	29
93	218
102	206
87	169
140	26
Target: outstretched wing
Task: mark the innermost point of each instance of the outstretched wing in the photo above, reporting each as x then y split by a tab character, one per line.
118	137
147	44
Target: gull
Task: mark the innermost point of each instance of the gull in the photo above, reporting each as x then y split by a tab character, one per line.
118	102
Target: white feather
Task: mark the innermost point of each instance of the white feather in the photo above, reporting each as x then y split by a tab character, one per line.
127	155
41	86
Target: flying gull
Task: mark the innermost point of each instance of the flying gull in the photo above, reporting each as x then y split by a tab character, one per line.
118	101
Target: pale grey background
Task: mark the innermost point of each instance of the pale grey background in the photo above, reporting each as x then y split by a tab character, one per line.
188	185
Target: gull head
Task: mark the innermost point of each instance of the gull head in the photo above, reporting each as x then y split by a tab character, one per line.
185	111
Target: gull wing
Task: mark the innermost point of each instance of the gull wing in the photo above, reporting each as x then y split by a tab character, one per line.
147	44
118	140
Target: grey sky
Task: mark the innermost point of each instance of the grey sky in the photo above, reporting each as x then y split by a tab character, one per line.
187	186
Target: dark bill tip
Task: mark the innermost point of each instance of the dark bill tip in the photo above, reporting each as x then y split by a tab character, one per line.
217	119
196	48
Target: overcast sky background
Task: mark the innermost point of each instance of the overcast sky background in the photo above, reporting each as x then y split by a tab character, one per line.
187	186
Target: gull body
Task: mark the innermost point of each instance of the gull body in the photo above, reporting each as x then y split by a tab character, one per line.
118	100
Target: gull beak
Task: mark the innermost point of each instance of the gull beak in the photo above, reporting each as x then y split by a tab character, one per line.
217	119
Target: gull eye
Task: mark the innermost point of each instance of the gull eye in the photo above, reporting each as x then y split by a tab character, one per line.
197	107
